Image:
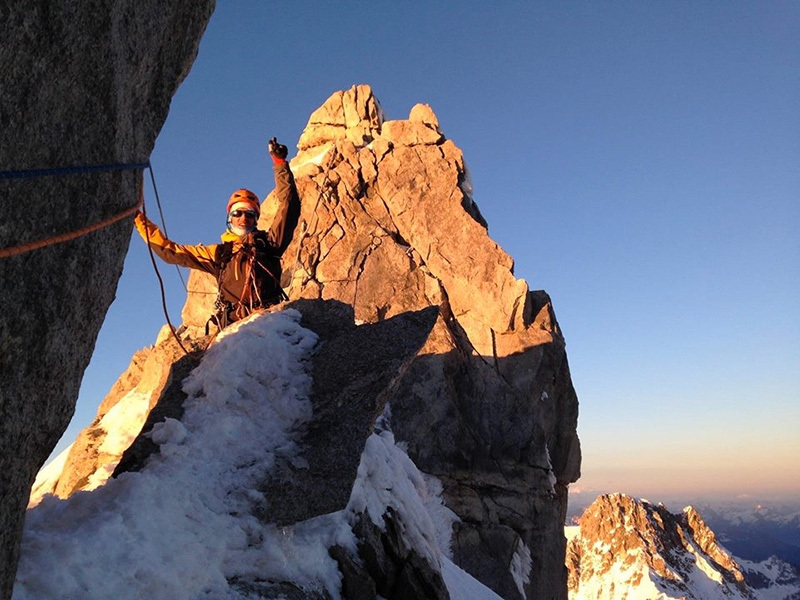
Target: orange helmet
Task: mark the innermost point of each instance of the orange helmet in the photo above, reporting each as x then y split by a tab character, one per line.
244	199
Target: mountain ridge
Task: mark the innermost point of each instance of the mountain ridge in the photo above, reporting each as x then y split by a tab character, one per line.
490	376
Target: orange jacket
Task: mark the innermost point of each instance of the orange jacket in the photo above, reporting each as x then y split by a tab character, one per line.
206	258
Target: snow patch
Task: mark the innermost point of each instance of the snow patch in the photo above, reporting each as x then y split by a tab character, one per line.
550	475
183	526
441	516
387	478
122	423
521	566
47	478
462	586
572	531
168	431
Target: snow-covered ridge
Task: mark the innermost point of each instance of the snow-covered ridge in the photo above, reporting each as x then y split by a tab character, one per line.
186	525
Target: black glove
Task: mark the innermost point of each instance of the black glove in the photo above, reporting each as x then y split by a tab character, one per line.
277	150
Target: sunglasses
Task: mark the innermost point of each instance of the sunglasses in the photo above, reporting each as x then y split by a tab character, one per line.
243	213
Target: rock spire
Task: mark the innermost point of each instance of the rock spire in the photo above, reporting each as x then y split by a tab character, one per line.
389	224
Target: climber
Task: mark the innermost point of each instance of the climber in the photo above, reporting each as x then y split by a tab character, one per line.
247	263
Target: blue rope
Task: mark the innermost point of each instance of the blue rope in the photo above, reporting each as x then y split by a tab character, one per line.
31	173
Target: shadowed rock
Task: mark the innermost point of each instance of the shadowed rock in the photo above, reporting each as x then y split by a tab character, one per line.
387	566
354	372
84	83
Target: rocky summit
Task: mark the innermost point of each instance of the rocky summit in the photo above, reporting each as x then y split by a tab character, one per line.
629	549
425	333
388	225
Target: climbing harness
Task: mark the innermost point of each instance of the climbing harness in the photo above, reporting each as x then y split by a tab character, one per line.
252	296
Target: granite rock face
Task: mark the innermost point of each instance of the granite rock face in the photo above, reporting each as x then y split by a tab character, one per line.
84	83
388	225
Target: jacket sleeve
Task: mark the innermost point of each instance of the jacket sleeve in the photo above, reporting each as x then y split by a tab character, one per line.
288	213
195	257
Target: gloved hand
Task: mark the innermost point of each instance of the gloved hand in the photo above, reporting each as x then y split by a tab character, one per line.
277	151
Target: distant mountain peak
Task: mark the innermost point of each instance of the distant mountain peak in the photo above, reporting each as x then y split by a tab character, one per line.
631	549
631	542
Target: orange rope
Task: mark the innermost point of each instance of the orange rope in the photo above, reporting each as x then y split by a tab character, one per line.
65	237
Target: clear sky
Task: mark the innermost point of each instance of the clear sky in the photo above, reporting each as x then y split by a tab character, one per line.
639	160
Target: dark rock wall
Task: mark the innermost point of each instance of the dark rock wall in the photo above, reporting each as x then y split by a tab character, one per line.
355	370
495	441
83	83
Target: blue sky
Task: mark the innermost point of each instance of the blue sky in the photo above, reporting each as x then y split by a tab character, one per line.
639	160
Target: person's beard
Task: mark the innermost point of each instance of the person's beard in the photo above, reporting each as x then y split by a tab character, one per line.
240	231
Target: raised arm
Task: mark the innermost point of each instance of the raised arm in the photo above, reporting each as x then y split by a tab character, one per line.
288	213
